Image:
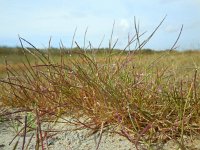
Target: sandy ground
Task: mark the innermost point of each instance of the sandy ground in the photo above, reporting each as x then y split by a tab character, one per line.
79	140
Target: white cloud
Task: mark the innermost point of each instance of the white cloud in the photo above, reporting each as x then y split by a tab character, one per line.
172	29
168	1
194	25
125	24
123	28
197	2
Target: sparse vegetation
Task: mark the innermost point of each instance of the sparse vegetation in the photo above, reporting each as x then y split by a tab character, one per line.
145	96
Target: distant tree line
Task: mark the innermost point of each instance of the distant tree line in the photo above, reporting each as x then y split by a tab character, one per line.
4	50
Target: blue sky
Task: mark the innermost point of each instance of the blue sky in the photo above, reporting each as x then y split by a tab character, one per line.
37	20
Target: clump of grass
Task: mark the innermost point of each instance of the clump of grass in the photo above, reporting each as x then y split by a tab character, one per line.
113	92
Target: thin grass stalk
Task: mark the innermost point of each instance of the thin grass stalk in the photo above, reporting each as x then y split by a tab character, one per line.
29	141
40	136
152	34
85	38
73	37
25	130
16	144
16	135
195	86
101	42
100	136
111	36
137	33
179	35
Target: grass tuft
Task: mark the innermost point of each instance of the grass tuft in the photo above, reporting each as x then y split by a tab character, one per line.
145	97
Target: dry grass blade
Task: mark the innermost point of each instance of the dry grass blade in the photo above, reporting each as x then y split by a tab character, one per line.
29	141
179	35
111	36
15	146
84	47
100	136
25	130
73	38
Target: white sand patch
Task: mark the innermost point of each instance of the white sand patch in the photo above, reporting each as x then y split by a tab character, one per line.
79	140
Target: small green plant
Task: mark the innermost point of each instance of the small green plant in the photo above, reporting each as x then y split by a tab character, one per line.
1	120
14	125
30	120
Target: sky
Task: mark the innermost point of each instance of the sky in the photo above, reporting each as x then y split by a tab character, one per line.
38	20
